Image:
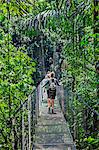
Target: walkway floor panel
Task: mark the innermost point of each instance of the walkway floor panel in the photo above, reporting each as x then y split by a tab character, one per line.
52	131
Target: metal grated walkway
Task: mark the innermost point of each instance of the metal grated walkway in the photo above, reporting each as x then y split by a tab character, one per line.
52	131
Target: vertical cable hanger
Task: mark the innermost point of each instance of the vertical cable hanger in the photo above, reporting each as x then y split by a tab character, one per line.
20	75
8	29
74	77
84	76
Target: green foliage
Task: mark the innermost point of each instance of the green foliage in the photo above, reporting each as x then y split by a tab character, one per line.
92	142
16	83
16	71
72	26
75	29
2	18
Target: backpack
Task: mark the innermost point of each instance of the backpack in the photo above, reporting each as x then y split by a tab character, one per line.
46	84
52	85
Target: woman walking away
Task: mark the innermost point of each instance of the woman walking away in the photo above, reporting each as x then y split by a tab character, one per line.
46	85
53	82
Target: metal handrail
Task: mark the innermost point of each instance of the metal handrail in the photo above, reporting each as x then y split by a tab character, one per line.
24	121
62	100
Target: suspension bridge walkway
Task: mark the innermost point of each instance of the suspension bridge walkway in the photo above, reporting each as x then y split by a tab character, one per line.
52	131
39	130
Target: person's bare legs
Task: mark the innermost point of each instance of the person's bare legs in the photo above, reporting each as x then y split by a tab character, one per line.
52	106
49	105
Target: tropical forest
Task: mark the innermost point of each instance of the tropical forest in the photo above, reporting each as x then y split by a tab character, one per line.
38	36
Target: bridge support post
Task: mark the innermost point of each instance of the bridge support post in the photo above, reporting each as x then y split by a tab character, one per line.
37	103
29	121
60	95
23	129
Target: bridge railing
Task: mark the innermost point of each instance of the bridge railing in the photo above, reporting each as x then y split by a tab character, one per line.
24	122
62	96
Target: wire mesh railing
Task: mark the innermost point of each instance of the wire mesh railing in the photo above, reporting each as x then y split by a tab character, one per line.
52	131
62	95
24	123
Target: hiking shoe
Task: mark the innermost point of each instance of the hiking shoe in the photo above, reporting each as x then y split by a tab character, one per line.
49	110
53	112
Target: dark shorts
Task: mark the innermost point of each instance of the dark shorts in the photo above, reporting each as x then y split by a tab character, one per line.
52	94
48	94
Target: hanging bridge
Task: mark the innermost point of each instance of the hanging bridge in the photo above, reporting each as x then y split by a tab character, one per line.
32	128
38	129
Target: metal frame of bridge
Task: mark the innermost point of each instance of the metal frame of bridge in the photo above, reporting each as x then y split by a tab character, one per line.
35	129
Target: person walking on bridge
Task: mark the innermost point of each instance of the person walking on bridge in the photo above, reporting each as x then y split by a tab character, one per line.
51	84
